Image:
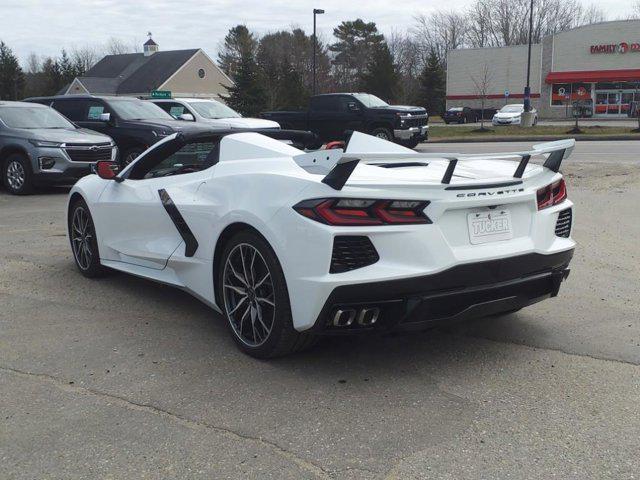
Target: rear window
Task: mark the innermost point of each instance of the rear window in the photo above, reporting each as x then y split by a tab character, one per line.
326	104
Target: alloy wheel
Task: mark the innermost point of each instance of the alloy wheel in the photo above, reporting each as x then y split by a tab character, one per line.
382	135
249	296
81	237
15	175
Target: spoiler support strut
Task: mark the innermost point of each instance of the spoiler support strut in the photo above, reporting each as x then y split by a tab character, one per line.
339	174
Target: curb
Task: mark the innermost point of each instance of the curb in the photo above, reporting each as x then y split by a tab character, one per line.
542	138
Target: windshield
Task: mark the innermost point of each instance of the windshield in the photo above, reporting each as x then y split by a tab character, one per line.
138	110
33	117
512	109
455	109
370	101
212	109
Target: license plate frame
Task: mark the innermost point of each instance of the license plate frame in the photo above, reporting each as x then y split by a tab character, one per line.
489	226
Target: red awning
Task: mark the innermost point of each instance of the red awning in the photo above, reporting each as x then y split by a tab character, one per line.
632	75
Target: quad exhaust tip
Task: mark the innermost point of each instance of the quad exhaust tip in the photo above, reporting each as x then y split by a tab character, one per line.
365	317
368	316
344	318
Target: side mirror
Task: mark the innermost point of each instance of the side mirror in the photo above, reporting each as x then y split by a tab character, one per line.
105	117
106	169
353	107
187	117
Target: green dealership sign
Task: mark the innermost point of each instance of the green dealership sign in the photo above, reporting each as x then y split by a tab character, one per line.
160	94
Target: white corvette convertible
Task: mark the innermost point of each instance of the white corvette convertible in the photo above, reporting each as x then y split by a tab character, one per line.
288	244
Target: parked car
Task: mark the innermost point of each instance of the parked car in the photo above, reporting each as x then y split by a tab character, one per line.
512	115
333	116
211	112
460	115
374	238
132	123
38	146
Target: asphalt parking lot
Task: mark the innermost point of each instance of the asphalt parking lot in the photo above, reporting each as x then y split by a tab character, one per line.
122	378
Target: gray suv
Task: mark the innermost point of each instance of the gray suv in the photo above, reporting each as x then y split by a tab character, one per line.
38	146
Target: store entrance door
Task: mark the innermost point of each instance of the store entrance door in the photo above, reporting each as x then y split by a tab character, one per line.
613	103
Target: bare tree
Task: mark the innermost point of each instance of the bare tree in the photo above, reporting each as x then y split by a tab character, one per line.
479	32
407	57
33	64
496	23
83	58
117	46
440	32
482	86
636	10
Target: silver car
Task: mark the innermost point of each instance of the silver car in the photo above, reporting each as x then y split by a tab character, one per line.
38	146
211	112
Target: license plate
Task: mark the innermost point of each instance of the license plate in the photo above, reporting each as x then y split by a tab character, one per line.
490	226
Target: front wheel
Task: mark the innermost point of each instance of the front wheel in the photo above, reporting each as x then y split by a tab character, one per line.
383	133
129	156
84	244
17	175
255	300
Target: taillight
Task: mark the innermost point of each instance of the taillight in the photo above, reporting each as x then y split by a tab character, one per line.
365	212
552	194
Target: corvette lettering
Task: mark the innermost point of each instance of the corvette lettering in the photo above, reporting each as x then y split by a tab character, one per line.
491	194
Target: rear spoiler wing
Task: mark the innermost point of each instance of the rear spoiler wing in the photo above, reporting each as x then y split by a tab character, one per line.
555	153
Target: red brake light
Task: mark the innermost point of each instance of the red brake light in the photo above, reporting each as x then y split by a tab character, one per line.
552	194
361	212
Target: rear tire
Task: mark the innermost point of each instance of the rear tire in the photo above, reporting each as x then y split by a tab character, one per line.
17	175
255	301
84	244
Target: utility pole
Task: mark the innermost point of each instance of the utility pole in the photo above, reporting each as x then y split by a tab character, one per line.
527	89
316	11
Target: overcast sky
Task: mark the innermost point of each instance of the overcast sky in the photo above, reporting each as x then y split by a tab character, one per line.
47	26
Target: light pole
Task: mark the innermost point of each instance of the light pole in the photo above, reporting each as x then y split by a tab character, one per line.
527	89
316	11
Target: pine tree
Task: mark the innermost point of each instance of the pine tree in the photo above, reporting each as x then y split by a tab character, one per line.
380	77
11	76
357	41
238	43
292	93
53	80
431	94
247	95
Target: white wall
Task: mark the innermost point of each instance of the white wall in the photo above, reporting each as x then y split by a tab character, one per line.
507	69
571	49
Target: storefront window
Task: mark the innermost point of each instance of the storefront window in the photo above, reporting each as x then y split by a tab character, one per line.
559	93
565	93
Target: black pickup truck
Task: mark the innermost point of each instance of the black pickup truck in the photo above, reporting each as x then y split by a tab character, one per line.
332	116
